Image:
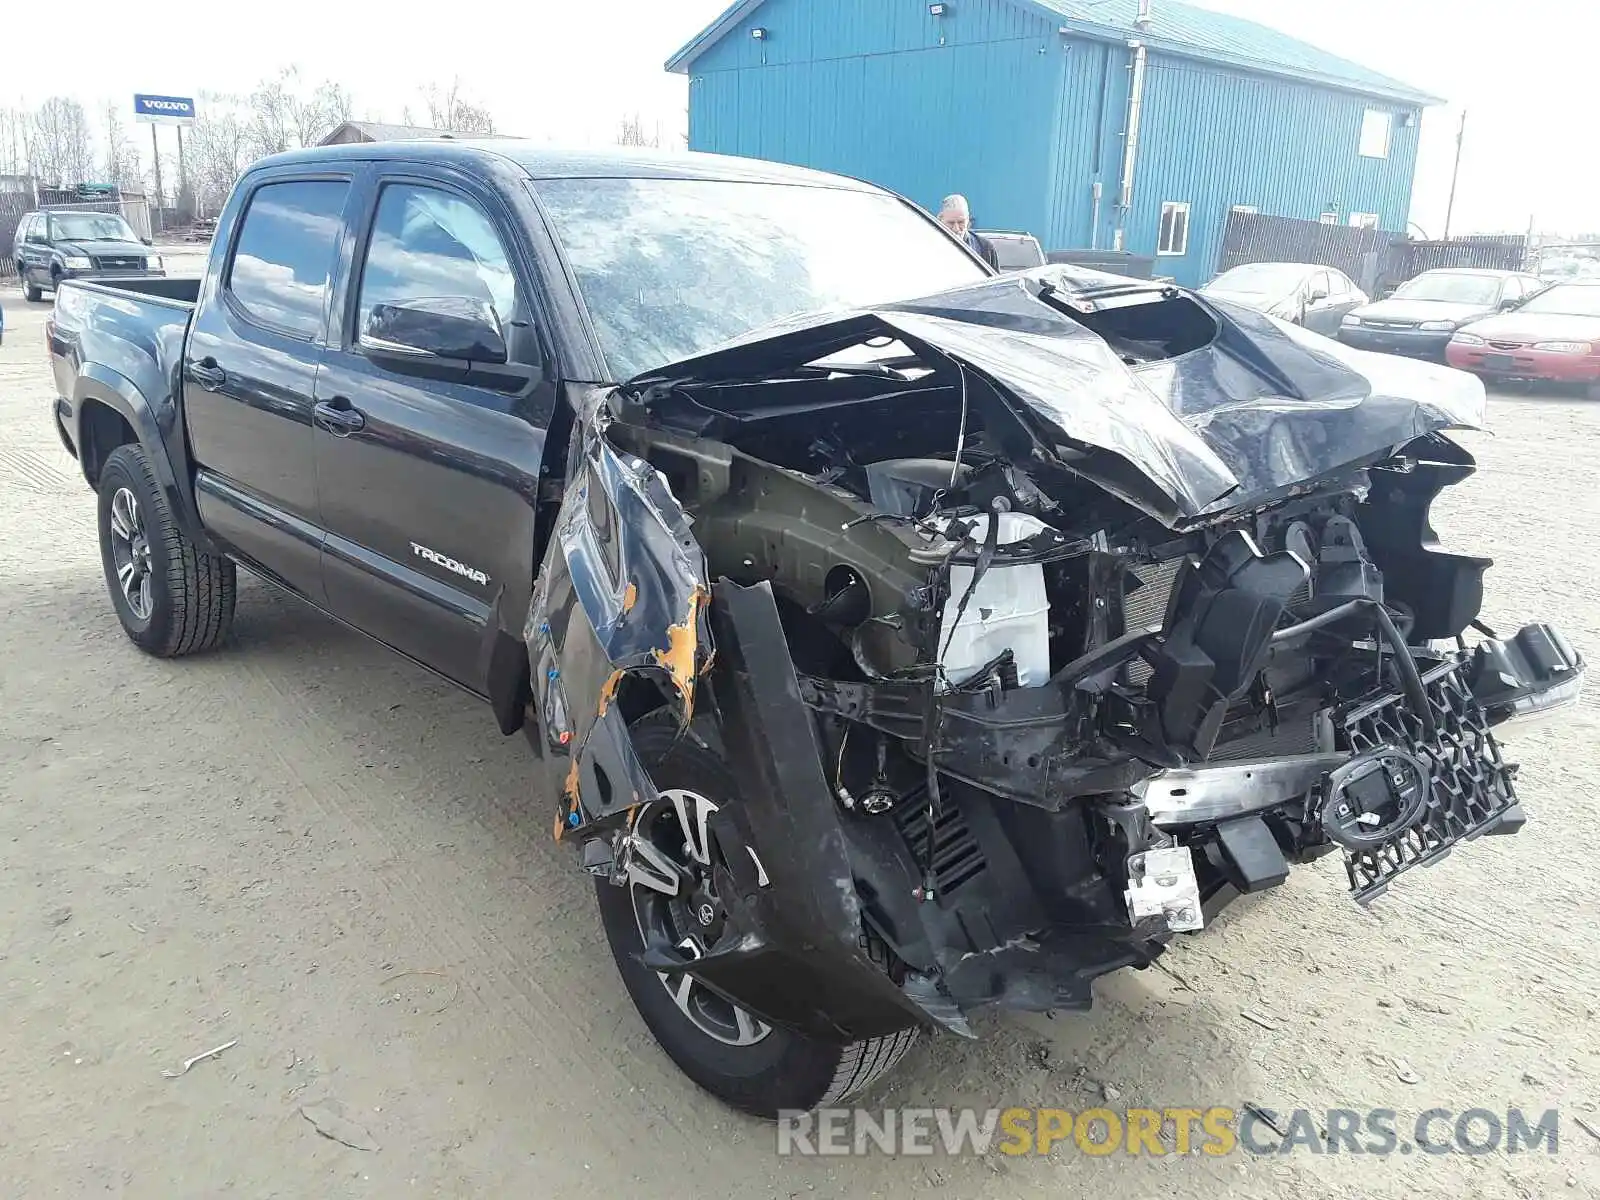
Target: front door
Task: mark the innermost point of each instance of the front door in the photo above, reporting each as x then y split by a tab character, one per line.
33	250
249	371
427	469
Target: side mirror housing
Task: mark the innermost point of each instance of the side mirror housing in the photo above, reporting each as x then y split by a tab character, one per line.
1509	303
452	327
147	241
1317	293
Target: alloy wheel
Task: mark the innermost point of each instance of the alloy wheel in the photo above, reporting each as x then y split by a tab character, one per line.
130	551
671	857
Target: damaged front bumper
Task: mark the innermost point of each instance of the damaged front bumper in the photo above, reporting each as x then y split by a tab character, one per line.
1395	796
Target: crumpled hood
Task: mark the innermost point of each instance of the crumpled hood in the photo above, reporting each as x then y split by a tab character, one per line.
1264	407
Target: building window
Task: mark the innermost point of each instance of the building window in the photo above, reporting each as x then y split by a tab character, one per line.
1364	220
1329	218
1375	127
1174	236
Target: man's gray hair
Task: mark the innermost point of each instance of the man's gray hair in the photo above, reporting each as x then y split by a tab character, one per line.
955	202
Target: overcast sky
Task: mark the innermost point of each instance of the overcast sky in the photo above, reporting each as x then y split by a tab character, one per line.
569	72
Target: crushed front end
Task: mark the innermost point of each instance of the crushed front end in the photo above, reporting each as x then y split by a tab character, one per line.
1042	623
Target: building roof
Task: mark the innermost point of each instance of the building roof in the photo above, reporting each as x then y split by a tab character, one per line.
377	131
1175	27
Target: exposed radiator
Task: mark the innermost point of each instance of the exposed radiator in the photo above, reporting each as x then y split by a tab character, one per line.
1147	605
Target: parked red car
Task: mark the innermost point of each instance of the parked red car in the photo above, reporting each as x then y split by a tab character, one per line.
1554	335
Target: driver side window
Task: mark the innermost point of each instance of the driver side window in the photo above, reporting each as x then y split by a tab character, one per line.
428	243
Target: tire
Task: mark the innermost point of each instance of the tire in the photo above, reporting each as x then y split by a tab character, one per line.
180	598
781	1071
1594	390
31	292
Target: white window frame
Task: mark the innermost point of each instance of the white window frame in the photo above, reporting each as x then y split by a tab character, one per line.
1329	218
1377	131
1244	208
1364	220
1171	208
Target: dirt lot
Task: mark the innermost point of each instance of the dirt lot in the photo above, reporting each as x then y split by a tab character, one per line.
306	845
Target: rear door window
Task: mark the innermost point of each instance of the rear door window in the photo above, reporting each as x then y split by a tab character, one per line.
284	254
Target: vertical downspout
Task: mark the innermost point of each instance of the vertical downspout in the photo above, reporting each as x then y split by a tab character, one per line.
1130	148
1094	220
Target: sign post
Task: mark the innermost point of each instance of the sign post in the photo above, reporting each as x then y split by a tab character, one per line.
164	110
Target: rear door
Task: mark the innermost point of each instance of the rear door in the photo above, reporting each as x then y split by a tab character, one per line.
1321	307
250	367
428	469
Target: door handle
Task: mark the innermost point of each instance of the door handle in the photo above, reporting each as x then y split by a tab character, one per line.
207	374
337	417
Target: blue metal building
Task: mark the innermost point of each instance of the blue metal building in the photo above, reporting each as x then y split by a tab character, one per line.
1113	124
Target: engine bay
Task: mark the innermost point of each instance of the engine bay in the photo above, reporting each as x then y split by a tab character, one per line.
1072	680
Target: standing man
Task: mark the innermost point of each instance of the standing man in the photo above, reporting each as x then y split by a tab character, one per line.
956	216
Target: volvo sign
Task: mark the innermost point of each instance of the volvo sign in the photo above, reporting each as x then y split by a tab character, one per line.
164	110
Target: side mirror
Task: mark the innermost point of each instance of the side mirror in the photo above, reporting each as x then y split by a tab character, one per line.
457	327
1317	293
1509	303
147	241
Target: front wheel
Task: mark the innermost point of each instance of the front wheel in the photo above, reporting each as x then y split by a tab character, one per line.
30	291
171	597
670	898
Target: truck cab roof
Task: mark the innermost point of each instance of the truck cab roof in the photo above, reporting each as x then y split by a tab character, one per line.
538	161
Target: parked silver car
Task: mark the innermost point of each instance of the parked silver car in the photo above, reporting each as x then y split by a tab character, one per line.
1306	294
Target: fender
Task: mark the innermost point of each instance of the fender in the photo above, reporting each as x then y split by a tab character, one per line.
159	429
622	596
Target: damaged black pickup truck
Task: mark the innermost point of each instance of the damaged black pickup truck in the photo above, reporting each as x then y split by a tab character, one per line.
888	659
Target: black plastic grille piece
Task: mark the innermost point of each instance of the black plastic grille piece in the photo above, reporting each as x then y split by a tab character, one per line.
1470	785
956	856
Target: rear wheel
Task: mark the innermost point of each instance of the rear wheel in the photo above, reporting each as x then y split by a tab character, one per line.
670	898
171	597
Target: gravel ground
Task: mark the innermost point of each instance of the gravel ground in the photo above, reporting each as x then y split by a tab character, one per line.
309	846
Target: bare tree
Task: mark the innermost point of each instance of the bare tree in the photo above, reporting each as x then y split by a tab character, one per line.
272	120
285	114
121	159
450	109
220	145
63	154
16	139
632	133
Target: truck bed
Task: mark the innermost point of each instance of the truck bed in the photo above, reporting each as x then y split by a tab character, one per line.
132	327
183	291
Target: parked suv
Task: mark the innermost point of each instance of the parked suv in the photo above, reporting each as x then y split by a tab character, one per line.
52	246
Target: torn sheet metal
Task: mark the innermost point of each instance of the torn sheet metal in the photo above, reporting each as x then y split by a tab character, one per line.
1225	427
622	591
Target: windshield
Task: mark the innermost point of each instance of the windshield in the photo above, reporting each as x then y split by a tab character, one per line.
1452	289
90	227
1275	278
1572	299
671	267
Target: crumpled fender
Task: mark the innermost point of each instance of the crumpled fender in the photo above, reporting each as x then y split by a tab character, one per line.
622	593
